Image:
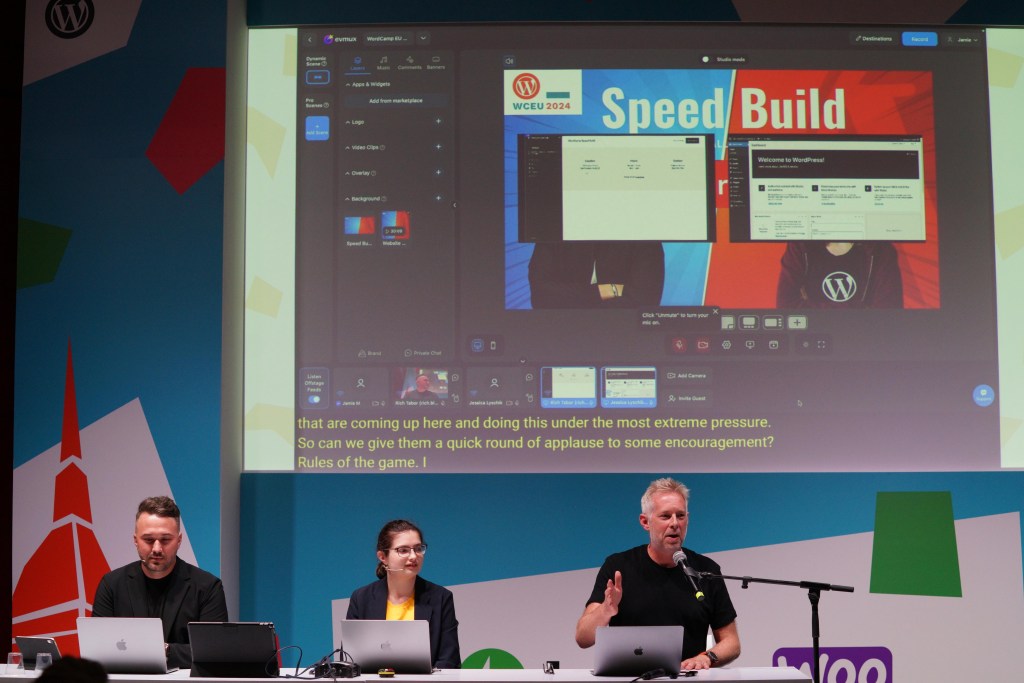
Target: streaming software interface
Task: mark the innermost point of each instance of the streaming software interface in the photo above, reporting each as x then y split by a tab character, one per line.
644	248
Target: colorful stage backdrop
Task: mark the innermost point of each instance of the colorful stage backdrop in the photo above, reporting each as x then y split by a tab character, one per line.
118	396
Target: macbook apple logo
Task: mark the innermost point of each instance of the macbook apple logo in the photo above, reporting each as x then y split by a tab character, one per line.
121	645
638	651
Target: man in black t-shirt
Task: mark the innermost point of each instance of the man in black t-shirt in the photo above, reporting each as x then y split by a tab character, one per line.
644	587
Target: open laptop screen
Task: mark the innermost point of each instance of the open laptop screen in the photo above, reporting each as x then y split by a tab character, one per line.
636	650
377	644
124	644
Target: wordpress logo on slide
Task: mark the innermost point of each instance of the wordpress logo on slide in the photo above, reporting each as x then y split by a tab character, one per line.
839	286
526	86
840	664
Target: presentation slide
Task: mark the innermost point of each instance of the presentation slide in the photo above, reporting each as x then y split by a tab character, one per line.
610	181
609	188
687	253
848	190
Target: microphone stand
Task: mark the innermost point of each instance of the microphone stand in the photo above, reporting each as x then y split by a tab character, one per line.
814	589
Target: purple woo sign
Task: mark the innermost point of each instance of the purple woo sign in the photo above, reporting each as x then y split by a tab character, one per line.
840	664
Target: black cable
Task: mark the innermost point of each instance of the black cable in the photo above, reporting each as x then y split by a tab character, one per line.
277	655
658	673
325	666
322	667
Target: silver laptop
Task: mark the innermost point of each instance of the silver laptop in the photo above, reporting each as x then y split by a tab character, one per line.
124	644
635	650
376	644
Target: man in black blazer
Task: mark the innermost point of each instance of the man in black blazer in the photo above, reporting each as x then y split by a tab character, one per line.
161	585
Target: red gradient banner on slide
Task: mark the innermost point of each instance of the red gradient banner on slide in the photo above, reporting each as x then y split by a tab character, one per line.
827	103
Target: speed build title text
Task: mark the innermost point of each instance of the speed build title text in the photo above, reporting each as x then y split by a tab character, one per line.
808	109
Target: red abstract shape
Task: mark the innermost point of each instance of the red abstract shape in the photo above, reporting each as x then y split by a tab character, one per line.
68	644
71	494
70	443
50	577
94	562
190	139
62	575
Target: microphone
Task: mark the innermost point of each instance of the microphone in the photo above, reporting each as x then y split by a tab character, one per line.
679	557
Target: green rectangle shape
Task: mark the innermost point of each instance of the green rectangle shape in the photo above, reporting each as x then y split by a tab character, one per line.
557	95
914	549
40	252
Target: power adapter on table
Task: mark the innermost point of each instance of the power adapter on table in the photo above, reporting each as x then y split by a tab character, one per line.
336	670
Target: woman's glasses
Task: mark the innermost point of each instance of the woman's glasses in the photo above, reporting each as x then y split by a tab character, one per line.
404	550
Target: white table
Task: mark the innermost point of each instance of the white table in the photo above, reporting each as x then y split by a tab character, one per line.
749	674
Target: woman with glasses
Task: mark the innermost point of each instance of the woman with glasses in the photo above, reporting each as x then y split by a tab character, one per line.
401	594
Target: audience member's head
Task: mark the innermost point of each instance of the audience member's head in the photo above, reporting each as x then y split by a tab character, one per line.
74	670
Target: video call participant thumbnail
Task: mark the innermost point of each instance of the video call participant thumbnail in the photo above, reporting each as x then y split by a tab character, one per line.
596	274
421	391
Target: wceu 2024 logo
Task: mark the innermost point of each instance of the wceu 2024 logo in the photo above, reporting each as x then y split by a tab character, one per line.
543	92
840	664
